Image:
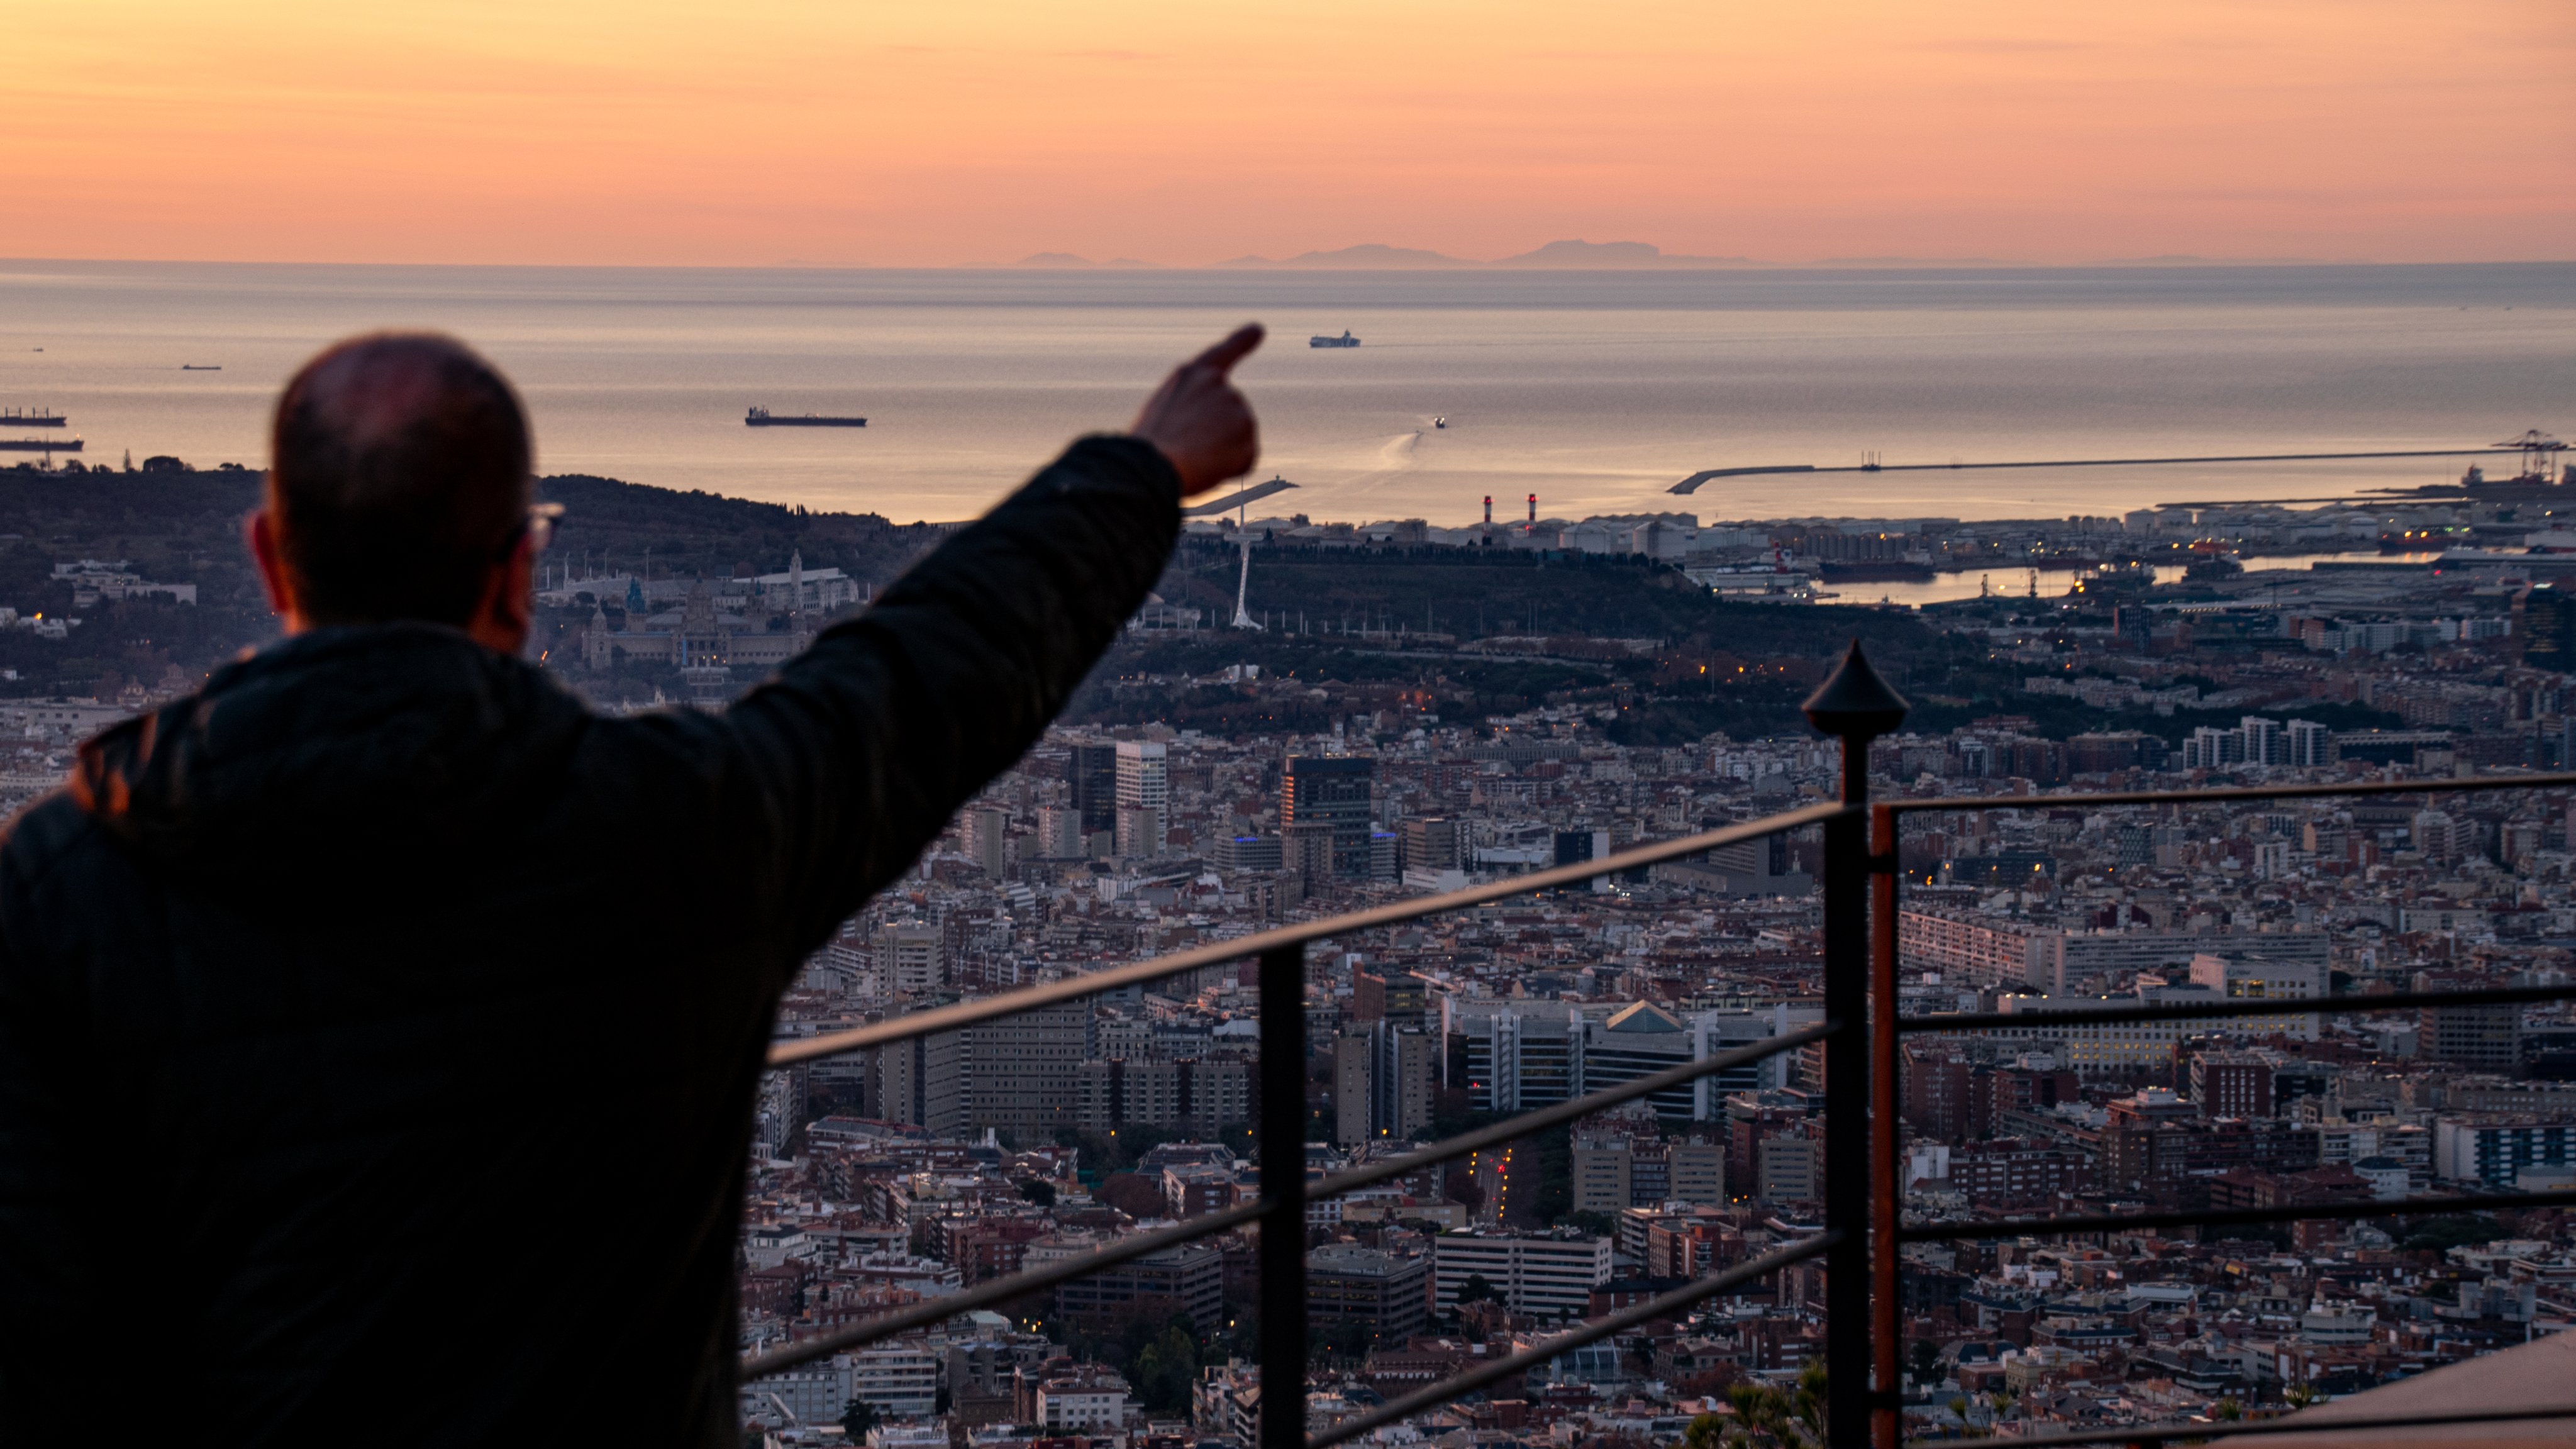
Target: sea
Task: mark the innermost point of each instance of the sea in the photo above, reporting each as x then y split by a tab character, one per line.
1595	391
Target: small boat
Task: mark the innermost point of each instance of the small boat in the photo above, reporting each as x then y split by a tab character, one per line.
1439	422
1345	340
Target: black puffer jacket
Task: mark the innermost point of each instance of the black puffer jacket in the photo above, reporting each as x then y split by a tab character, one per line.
379	1028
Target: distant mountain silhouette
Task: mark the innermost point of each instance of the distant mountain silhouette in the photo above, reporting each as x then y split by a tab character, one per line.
1611	254
1561	255
1365	255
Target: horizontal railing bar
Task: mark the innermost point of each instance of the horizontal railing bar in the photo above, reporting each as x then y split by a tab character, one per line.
1434	1395
1074	988
1907	806
1958	1021
2228	1429
1000	1290
2404	1207
1541	1118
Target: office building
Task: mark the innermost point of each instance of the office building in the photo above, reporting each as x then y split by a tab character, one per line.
1144	776
1331	790
1092	772
1382	1292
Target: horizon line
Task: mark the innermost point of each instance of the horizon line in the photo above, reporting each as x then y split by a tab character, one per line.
1445	265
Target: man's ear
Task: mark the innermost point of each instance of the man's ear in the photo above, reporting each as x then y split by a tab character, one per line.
508	608
260	532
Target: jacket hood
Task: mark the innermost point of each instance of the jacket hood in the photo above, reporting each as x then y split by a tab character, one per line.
338	751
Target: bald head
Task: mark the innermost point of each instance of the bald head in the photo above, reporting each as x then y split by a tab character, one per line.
398	475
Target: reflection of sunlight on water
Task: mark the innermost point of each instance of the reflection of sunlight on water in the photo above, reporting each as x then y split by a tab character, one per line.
2053	583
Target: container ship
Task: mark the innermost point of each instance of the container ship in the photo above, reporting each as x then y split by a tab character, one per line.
1345	340
42	418
763	418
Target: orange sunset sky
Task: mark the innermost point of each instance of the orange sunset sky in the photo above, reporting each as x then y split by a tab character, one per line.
978	131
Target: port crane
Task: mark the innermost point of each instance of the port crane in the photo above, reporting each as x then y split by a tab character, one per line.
2537	450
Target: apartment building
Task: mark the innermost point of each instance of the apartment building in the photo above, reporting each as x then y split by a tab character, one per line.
1548	1274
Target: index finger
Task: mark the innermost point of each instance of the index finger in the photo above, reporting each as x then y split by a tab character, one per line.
1237	346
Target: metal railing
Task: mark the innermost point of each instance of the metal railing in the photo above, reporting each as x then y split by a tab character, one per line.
1863	1183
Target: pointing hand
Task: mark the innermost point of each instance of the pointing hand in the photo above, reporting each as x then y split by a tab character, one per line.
1201	421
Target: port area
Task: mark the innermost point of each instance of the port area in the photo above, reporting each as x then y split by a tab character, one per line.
2173	553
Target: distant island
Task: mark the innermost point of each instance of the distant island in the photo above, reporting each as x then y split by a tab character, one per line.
1572	255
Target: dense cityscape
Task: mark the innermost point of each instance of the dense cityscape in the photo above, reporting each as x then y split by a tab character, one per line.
914	1171
945	1162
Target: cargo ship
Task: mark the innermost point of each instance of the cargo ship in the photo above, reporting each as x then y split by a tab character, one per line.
1345	340
44	418
40	445
763	418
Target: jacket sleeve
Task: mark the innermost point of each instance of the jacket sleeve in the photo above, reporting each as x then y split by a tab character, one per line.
43	1268
854	757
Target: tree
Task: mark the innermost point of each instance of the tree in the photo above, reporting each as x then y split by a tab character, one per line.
2300	1396
1133	1194
858	1419
1038	1190
1926	1359
1460	1187
1794	1417
1164	1370
2443	1234
1598	1224
2229	1409
1476	1289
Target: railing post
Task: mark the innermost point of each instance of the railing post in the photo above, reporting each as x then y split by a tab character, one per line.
1887	1138
1283	1184
1856	705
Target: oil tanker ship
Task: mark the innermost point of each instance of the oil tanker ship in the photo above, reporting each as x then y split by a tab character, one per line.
763	418
41	418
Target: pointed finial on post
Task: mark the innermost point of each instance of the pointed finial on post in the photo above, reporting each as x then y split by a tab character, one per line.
1856	705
